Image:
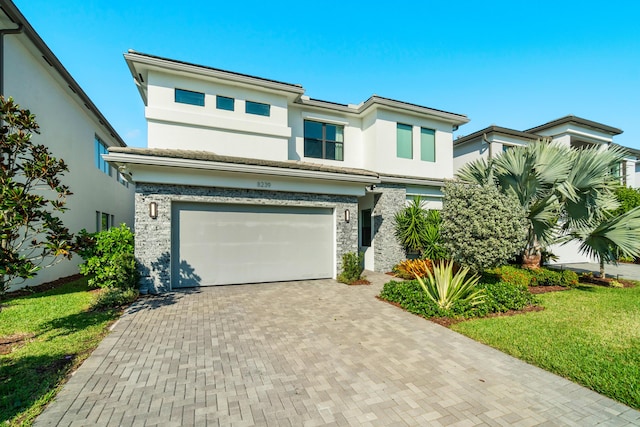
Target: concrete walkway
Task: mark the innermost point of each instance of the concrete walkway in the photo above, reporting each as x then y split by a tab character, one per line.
622	270
309	353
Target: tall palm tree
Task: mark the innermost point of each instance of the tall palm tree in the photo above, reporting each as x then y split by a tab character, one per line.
560	188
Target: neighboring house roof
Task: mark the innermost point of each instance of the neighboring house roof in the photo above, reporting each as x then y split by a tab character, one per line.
630	151
496	129
212	157
14	14
579	121
133	57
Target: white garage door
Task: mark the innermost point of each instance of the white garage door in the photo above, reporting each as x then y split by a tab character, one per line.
216	244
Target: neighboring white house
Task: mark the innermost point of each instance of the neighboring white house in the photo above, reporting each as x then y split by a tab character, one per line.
246	179
569	130
70	125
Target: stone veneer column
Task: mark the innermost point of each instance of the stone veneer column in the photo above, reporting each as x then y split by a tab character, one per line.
153	236
387	251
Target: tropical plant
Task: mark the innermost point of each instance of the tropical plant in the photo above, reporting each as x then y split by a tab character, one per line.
481	228
446	288
562	190
410	226
432	247
628	198
410	268
32	236
109	258
352	267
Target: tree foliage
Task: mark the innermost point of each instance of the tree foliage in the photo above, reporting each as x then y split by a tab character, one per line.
32	235
566	193
628	198
418	230
481	227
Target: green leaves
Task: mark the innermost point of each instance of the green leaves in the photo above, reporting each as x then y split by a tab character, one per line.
31	237
446	288
418	230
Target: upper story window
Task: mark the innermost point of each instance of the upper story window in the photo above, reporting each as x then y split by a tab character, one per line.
225	103
323	140
122	180
404	142
100	148
427	145
189	97
257	108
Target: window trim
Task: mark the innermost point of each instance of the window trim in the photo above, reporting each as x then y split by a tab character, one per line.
323	141
257	104
186	91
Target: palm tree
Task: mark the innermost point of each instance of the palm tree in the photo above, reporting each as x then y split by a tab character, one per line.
561	189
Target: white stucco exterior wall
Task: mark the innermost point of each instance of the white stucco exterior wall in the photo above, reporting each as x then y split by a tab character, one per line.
68	128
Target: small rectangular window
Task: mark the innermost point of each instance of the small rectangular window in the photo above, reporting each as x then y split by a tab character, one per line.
427	145
365	235
100	148
104	221
189	97
225	103
257	108
404	142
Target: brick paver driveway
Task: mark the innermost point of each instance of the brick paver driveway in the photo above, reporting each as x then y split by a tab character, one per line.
308	353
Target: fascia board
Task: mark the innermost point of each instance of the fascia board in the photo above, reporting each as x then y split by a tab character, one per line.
165	65
231	167
412	181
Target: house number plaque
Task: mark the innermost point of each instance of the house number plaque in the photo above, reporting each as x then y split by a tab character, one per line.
264	184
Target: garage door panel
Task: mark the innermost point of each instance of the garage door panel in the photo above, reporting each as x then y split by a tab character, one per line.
227	244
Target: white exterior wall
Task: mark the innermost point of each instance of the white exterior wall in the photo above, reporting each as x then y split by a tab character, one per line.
469	152
232	133
381	146
67	127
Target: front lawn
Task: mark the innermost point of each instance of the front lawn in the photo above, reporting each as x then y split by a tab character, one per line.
590	335
46	335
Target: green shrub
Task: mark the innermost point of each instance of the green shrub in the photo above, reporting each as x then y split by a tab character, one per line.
410	296
504	296
548	277
418	230
352	267
481	227
511	274
114	298
109	258
445	287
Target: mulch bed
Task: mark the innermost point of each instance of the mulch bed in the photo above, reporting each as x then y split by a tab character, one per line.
360	282
545	289
30	290
605	281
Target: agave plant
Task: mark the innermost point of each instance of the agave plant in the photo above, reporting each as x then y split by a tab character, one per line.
445	288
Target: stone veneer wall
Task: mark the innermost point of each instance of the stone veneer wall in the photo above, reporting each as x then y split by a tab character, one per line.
387	251
153	236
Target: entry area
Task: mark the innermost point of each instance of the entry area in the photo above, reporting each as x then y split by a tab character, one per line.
223	244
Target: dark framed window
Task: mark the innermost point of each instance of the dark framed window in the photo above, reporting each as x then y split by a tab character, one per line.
100	148
323	140
404	141
257	108
225	103
365	228
104	221
189	97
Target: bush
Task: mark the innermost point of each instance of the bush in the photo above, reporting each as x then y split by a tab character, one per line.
510	274
352	267
547	277
114	298
481	227
109	258
418	230
409	268
499	297
445	287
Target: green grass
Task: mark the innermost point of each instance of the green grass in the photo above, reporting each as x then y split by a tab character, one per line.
590	335
62	333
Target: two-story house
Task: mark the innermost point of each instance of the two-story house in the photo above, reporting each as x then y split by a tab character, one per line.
246	179
571	131
71	126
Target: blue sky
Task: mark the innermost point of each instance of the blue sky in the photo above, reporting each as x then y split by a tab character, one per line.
513	64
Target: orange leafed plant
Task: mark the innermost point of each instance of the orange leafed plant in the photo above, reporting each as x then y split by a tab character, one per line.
411	268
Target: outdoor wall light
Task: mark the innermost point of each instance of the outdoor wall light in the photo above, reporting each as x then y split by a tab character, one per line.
347	216
153	210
